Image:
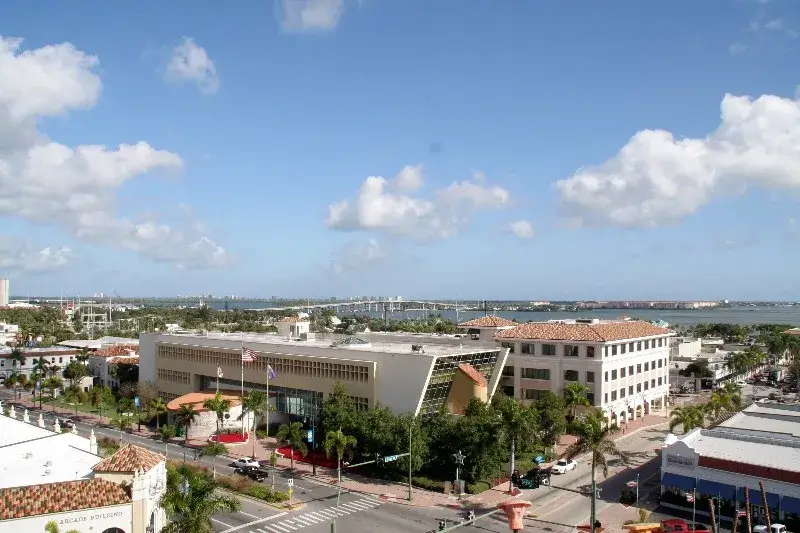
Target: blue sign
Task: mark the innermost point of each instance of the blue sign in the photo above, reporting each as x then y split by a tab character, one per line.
539	459
310	437
136	401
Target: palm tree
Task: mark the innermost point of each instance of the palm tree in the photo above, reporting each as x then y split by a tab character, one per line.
53	384
52	527
191	499
213	450
519	425
594	437
218	405
254	402
292	435
76	396
185	418
83	356
339	443
158	408
734	394
17	357
717	403
575	395
39	372
688	416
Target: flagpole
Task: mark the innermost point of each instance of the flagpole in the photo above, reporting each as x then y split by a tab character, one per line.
242	397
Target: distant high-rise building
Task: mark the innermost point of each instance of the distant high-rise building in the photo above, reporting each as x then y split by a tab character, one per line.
5	291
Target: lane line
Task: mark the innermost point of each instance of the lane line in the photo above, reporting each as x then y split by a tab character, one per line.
220	522
306	521
279	528
350	507
267	519
285	524
362	505
250	515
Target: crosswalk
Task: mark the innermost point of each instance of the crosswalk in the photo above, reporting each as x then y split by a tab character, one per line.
310	518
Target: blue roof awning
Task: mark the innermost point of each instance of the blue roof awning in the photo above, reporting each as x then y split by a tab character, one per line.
755	497
712	488
674	481
790	505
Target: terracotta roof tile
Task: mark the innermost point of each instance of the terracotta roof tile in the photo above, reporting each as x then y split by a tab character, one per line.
488	321
129	458
793	331
197	399
133	360
473	374
34	500
118	350
600	332
292	320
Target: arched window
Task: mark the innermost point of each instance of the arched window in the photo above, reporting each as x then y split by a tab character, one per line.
113	530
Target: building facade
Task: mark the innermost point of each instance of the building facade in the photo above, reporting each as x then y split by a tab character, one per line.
406	375
759	444
623	364
5	291
56	357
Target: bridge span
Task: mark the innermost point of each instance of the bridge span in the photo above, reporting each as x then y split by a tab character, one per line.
378	306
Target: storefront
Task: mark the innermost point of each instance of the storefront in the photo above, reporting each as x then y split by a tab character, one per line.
112	519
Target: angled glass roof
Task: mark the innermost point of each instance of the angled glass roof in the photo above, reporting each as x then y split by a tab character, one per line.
352	341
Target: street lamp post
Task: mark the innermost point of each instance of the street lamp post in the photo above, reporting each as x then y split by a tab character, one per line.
459	458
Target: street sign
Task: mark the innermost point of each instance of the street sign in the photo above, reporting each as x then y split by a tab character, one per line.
290	482
310	436
136	401
389	458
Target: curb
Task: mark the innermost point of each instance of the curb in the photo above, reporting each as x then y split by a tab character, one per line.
260	502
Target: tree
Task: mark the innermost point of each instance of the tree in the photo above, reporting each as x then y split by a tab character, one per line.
213	450
147	392
74	371
339	411
83	356
17	357
219	406
125	373
518	424
123	423
167	432
53	384
793	372
594	437
292	436
375	431
52	527
100	397
75	396
185	418
125	406
157	407
191	499
40	370
575	394
552	424
254	402
688	416
338	443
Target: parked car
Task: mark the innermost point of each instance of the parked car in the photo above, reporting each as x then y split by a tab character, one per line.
563	466
245	462
254	473
676	525
66	423
774	528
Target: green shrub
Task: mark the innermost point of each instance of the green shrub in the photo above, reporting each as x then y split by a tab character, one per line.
265	493
261	434
477	487
427	483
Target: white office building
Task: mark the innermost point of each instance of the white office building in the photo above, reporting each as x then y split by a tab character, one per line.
5	291
623	363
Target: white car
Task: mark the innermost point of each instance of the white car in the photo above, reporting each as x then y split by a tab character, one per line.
563	466
246	461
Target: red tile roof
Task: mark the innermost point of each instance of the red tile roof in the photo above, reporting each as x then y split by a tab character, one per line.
197	399
34	500
129	458
488	321
118	350
473	374
292	320
793	331
601	332
132	360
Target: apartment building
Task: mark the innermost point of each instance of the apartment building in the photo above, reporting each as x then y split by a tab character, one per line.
406	374
624	363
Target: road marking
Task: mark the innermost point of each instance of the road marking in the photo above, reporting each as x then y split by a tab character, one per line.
220	522
350	507
250	515
281	528
305	520
268	518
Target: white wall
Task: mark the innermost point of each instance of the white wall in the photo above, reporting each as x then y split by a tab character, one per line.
85	521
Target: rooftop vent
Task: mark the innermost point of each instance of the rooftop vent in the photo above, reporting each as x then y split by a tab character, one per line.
417	348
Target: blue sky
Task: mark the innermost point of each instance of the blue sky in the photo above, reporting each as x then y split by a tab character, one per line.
496	127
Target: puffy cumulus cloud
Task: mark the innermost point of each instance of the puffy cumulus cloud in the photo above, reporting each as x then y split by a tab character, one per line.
190	63
15	256
383	205
75	188
522	229
311	15
358	255
657	178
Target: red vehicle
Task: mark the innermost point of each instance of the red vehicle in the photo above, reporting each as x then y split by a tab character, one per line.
676	525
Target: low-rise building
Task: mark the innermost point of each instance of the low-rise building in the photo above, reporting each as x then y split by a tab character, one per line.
622	363
486	327
49	475
759	444
204	424
56	357
8	333
103	362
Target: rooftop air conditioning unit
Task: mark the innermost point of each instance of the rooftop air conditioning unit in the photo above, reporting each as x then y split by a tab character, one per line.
417	348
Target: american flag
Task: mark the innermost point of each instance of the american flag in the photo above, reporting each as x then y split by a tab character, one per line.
248	355
270	373
689	497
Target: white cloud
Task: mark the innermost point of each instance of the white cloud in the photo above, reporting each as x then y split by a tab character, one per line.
522	229
382	205
410	178
657	178
355	256
190	63
737	48
310	15
15	256
76	189
778	25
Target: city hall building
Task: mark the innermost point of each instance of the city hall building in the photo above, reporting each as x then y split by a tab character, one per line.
408	374
761	443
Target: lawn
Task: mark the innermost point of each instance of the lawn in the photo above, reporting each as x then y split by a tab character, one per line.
108	412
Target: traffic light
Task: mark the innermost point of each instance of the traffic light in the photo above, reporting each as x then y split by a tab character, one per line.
442	525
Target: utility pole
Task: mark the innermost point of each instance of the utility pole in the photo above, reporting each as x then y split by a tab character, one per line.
410	489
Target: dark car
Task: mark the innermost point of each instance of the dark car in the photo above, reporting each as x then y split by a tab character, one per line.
256	474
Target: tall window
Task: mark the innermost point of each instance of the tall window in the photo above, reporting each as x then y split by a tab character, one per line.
570	350
570	375
590	351
548	349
